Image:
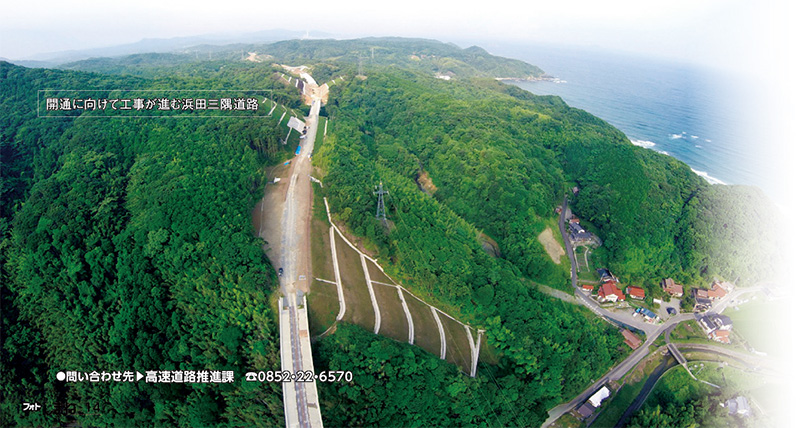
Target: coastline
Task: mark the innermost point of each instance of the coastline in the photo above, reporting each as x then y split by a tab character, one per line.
647	144
542	78
651	145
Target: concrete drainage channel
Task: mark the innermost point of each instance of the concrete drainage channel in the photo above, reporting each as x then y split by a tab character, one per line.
369	298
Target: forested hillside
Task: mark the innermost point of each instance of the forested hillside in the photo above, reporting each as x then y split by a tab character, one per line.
502	158
498	160
327	58
127	245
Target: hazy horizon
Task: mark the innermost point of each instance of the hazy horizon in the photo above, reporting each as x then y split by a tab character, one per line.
714	33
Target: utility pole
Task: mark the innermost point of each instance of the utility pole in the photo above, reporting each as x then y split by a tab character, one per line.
381	213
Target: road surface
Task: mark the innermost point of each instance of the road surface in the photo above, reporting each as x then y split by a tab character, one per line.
295	259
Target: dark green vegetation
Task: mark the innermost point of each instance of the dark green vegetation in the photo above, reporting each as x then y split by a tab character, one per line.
423	55
459	159
680	401
498	157
551	349
127	245
328	59
395	385
735	234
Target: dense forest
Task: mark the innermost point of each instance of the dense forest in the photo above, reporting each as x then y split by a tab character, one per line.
127	243
327	58
501	159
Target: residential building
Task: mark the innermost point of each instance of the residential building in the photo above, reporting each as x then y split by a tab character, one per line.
631	339
721	336
713	322
577	234
716	291
702	301
586	410
609	292
587	288
648	315
605	275
738	406
636	292
726	285
717	327
670	287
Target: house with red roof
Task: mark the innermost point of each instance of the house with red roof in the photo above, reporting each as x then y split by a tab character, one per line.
636	292
609	292
587	288
716	291
721	336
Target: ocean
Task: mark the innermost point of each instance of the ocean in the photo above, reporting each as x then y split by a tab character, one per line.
695	115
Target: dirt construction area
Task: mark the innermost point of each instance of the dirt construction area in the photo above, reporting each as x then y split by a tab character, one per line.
269	210
554	250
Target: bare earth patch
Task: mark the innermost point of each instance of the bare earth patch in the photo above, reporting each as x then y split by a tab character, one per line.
553	249
425	183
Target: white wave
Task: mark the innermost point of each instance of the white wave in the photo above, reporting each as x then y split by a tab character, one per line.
694	137
663	152
643	143
708	178
675	136
707	140
698	146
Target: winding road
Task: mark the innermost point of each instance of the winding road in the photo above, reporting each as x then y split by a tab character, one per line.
652	331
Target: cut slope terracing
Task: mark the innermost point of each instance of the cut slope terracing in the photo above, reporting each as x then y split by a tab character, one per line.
372	300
